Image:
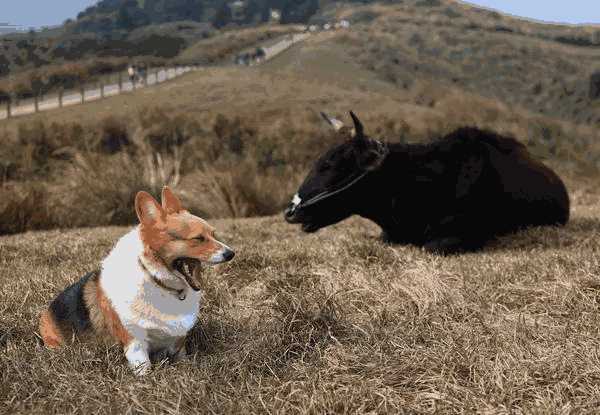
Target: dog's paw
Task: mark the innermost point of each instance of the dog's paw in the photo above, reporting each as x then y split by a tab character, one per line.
141	369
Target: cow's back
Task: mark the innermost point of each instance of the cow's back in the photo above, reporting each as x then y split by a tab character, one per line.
531	193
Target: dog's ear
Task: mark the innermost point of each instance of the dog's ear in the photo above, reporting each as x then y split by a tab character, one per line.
170	202
149	212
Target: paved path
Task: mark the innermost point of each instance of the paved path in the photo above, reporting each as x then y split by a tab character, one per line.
283	45
75	98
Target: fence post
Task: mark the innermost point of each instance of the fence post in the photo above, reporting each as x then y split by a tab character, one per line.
145	77
8	109
82	90
36	103
60	98
120	82
101	89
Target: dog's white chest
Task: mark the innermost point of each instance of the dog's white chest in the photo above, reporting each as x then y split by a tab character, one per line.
153	314
163	315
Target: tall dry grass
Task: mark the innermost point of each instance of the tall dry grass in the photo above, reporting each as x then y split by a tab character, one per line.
75	175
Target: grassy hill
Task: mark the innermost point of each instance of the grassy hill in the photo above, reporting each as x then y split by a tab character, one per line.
334	322
140	28
543	68
222	125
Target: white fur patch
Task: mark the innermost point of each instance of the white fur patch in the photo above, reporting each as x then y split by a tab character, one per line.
219	257
137	355
296	200
150	314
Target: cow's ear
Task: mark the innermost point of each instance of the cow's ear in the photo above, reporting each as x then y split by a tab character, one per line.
336	124
343	130
371	154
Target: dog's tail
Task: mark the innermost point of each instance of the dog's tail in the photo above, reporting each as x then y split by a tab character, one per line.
50	331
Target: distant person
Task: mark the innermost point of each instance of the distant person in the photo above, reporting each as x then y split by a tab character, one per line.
260	55
131	71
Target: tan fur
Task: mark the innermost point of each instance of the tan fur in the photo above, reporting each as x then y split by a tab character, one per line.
50	331
97	318
103	317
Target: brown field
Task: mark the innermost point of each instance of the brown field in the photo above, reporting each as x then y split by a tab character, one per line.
334	322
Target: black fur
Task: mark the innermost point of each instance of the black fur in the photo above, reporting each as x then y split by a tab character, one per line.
69	308
449	196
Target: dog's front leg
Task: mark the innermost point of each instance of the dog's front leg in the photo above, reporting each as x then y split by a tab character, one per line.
138	357
177	350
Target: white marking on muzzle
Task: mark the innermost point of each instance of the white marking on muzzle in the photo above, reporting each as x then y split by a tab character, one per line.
219	257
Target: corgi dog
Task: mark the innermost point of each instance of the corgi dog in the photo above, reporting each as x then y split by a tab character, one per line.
146	294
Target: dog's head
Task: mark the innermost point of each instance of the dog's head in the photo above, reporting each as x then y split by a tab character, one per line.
178	239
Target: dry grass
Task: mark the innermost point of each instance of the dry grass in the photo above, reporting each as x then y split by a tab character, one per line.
544	68
335	322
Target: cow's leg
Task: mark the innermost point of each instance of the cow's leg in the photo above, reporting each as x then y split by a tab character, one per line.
456	234
453	245
177	350
388	237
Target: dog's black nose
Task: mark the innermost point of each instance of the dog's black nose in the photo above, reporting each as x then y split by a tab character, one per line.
228	255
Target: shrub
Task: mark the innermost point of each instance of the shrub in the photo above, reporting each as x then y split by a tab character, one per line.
241	190
100	190
232	134
163	131
25	206
114	136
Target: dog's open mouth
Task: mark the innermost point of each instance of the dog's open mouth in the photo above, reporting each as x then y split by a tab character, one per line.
188	267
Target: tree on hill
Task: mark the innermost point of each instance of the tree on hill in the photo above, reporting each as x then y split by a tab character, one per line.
124	20
223	16
298	11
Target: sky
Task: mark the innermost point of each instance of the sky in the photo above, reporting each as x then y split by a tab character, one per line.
555	11
37	13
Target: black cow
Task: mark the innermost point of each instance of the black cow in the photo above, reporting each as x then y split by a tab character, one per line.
449	196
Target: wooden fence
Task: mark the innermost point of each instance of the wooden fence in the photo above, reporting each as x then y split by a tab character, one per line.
112	85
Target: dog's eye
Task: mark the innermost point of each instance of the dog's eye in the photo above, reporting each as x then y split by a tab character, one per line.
200	238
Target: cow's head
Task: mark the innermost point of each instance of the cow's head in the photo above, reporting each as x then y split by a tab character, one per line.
331	191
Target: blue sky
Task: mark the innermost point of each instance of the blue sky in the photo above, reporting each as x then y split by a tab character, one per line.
563	11
51	12
36	13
